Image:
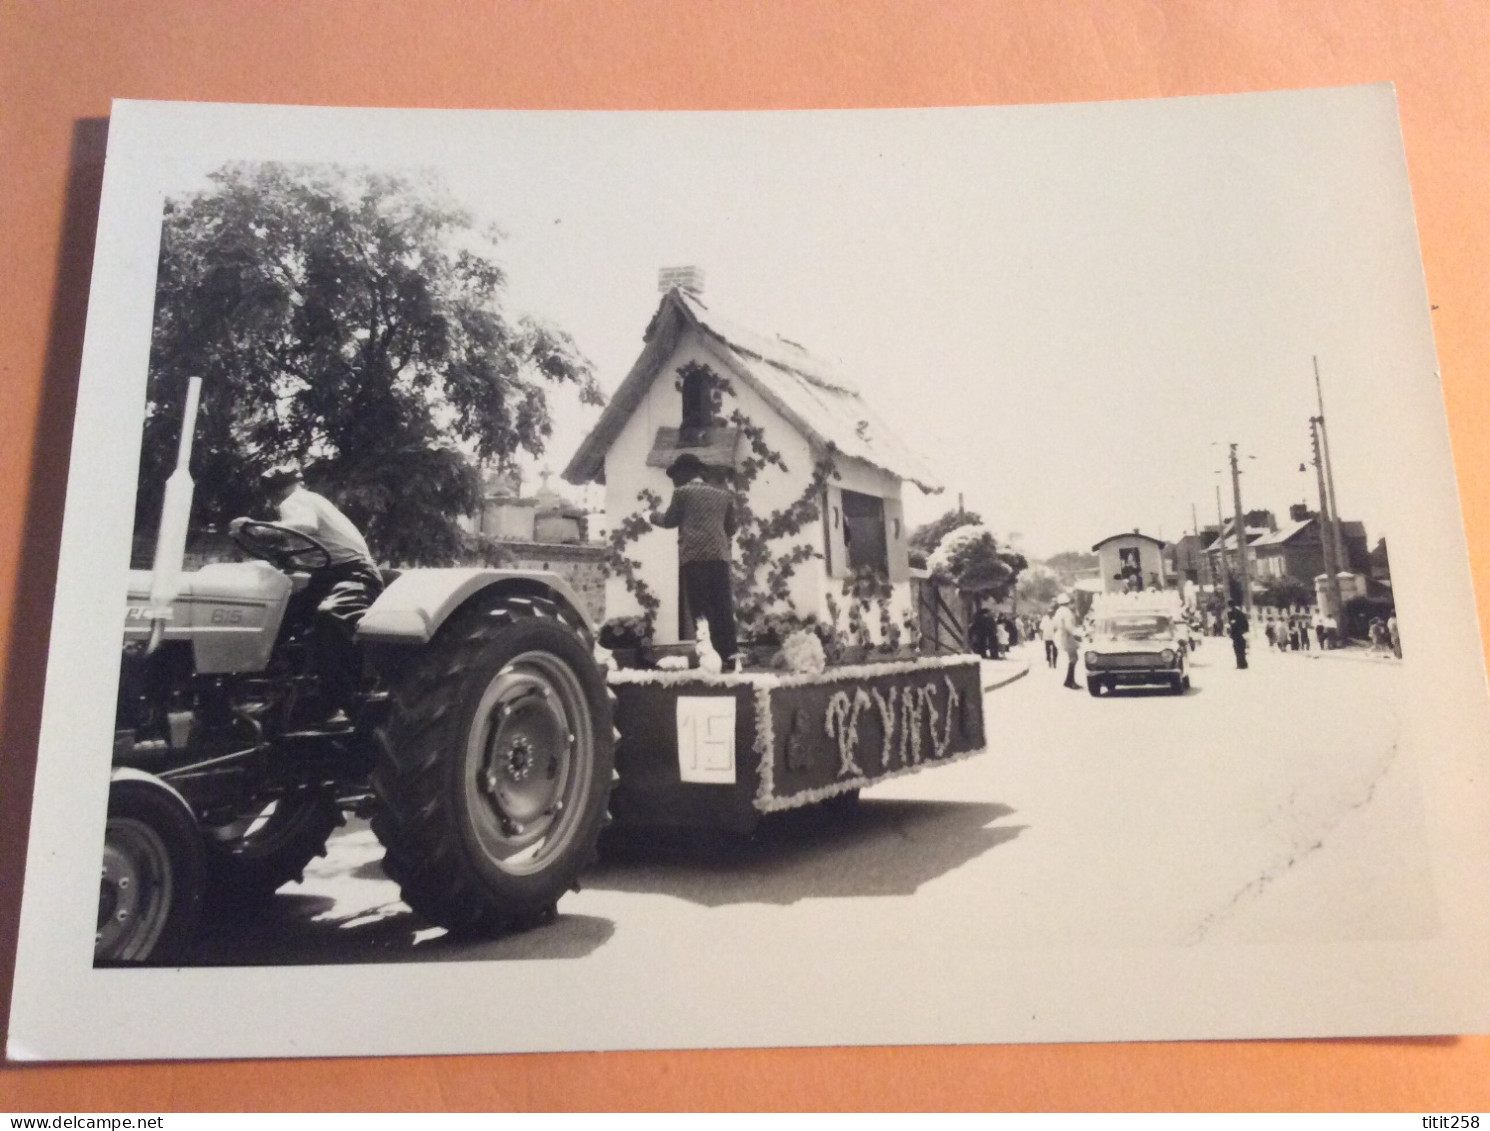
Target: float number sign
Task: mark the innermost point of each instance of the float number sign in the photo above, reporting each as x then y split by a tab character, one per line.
706	739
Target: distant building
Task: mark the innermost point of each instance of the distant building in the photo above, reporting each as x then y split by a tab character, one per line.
543	531
1381	566
1186	558
1223	558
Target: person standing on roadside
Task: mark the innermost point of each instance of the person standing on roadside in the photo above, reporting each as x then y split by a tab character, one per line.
982	636
1236	628
1047	634
1066	635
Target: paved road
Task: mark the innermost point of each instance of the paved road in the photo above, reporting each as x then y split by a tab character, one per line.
1262	805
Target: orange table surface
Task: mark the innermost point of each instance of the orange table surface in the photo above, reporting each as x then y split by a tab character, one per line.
64	61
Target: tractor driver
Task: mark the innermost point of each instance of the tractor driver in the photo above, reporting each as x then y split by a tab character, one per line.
344	588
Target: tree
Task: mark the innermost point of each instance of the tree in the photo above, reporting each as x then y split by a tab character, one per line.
1072	561
969	556
1036	588
349	321
927	538
1285	592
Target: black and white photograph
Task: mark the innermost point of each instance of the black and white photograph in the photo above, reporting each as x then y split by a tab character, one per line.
566	580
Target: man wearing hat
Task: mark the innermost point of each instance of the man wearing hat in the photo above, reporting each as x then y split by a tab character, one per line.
704	516
344	589
1067	636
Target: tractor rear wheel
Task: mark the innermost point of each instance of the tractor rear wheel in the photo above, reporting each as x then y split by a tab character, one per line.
494	770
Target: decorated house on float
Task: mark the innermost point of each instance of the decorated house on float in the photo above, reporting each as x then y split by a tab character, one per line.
822	533
821	551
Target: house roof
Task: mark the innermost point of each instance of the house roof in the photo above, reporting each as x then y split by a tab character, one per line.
1294	529
811	394
1229	541
1278	537
1128	534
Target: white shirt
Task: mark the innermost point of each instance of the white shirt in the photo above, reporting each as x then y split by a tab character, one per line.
317	516
1047	627
1067	631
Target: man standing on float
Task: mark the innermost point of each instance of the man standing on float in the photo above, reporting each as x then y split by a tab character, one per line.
704	516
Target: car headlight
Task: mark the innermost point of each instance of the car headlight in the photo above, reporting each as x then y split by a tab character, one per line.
1093	660
1167	656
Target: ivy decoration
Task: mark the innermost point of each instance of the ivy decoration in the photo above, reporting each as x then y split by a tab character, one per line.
762	569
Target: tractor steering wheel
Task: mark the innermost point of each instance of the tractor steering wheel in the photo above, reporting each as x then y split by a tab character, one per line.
283	547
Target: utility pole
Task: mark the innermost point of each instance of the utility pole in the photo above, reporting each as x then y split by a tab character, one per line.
1342	561
1221	542
1241	533
1326	541
1195	529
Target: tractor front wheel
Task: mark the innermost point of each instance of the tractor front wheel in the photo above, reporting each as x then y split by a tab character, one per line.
154	870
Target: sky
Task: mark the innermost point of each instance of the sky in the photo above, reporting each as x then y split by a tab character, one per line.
1070	310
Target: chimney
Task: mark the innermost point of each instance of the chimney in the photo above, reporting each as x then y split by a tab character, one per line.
690	279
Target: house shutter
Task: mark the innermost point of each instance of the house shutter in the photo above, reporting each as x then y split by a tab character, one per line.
833	527
896	547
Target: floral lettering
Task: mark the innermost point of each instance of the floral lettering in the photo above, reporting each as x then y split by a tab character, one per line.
842	723
886	705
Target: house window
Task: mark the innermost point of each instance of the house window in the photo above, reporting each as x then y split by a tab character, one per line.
864	532
697	410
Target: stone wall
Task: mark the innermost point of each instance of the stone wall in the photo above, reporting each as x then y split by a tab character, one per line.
581	565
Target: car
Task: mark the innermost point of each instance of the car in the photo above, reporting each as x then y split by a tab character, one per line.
1136	647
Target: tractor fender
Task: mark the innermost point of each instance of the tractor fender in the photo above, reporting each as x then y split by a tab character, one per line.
130	773
412	609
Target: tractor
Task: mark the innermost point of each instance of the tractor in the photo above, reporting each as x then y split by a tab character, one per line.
480	744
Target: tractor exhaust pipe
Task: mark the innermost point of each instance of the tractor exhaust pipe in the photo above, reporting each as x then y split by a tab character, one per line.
175	513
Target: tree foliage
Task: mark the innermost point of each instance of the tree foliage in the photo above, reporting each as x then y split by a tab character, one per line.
970	557
1072	561
927	538
351	322
1285	592
1036	588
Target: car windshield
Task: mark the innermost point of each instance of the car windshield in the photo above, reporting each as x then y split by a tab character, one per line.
1151	627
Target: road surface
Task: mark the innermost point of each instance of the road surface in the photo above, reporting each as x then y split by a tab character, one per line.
1262	805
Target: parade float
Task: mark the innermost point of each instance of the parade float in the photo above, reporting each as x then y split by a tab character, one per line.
831	690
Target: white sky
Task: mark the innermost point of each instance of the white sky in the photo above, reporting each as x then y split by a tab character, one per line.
1065	308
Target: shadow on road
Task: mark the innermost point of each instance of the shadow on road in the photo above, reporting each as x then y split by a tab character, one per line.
297	930
879	847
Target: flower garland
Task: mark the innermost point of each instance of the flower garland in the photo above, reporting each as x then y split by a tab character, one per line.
765	744
847	673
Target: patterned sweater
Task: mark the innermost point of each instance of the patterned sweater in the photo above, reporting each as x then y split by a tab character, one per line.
705	519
